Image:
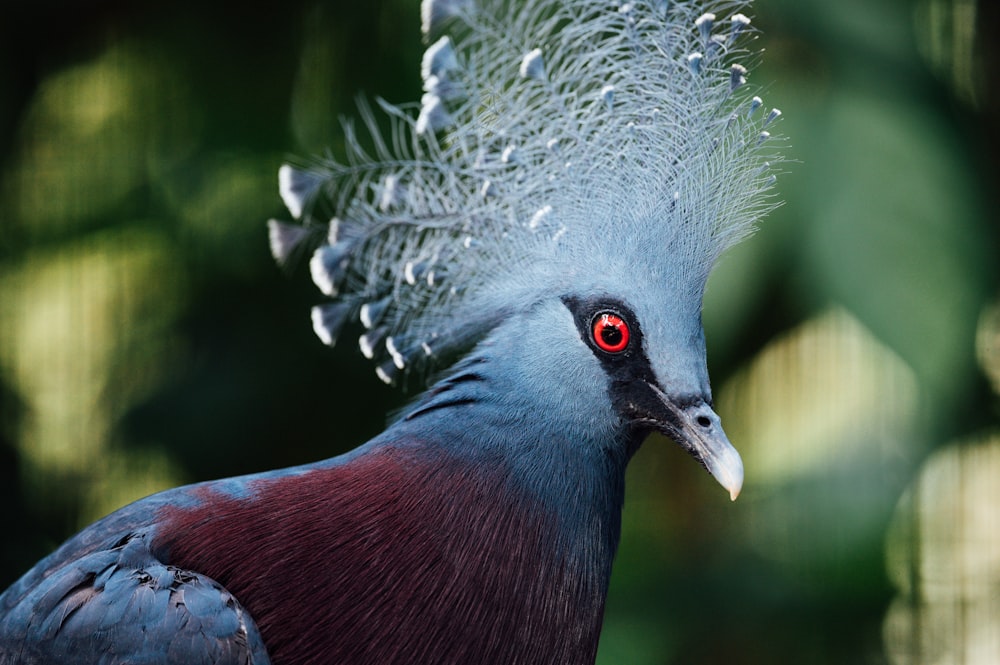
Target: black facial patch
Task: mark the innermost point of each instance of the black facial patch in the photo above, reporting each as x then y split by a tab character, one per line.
629	371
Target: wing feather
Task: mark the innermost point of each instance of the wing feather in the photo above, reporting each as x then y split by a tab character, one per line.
122	605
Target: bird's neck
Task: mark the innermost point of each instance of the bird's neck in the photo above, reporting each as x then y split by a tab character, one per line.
549	455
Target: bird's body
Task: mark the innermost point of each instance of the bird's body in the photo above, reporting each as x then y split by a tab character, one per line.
457	557
397	552
482	524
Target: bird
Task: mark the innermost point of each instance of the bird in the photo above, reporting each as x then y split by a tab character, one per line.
529	245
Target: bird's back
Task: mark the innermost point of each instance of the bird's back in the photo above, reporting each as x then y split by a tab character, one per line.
104	598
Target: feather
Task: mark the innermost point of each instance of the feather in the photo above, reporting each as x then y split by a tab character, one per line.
526	164
285	239
329	318
297	188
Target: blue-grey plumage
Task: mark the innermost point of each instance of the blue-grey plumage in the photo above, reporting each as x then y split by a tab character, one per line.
105	598
539	230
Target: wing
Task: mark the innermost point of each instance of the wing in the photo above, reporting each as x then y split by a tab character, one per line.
122	605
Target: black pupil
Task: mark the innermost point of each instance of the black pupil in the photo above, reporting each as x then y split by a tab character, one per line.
611	335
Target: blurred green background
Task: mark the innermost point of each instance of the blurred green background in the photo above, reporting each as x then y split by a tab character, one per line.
148	340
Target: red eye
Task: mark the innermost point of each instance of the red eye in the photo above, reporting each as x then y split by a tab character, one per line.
610	332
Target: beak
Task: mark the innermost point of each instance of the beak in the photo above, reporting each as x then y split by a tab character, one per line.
697	429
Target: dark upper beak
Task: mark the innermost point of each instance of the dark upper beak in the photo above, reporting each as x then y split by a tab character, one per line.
691	422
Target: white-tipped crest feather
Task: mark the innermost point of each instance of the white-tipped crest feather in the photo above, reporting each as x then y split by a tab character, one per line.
554	139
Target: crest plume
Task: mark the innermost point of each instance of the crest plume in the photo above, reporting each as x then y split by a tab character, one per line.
553	139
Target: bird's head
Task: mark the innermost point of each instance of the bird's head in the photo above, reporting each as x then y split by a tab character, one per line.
561	196
610	360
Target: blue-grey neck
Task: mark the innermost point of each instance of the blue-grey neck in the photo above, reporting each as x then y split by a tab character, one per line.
532	400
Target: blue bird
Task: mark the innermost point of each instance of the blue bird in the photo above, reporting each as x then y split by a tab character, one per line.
533	239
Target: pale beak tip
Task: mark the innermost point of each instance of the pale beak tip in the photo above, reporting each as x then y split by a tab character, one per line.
727	467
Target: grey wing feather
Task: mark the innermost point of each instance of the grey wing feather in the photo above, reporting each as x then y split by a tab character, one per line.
122	605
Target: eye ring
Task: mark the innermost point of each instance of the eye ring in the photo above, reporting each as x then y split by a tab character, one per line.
610	332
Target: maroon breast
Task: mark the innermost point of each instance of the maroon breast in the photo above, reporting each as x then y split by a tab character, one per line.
394	557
